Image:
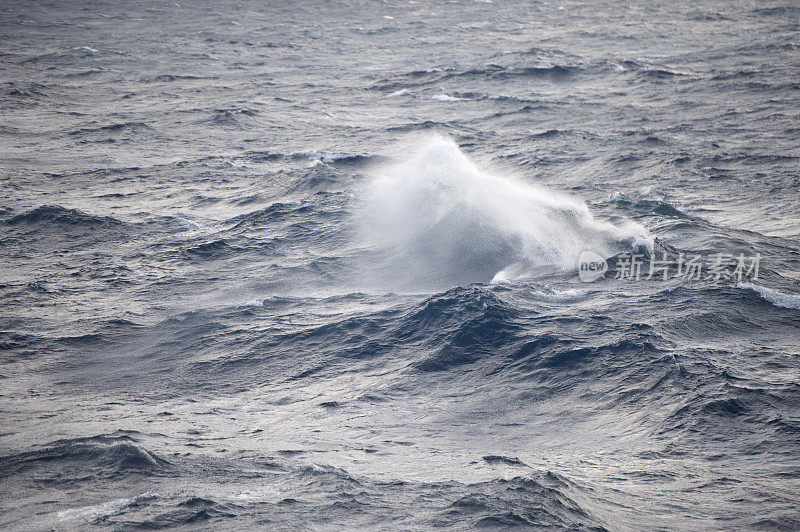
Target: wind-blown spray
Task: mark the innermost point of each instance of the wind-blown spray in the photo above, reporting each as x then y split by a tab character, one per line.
440	220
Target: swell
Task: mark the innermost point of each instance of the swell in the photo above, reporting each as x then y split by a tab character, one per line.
120	127
56	215
775	297
278	490
419	79
102	456
51	220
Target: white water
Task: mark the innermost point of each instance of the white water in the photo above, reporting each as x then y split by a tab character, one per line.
440	218
779	299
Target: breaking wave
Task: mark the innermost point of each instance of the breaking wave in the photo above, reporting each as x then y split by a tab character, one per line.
442	221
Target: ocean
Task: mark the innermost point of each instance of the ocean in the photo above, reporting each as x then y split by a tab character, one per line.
400	265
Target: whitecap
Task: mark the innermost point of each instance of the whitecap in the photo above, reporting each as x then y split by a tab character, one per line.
442	218
90	513
446	98
558	296
779	299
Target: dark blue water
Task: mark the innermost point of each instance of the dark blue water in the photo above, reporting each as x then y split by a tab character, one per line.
317	266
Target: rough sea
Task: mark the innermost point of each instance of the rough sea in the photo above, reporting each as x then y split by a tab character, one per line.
400	265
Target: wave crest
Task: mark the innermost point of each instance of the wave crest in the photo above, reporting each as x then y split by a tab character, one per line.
442	221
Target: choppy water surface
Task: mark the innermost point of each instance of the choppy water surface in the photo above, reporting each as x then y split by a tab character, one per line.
315	265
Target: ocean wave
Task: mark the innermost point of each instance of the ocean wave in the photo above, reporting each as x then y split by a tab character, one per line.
785	11
447	98
648	207
173	223
779	299
660	73
112	128
315	158
419	79
86	73
90	514
209	250
102	456
178	77
234	117
550	133
424	125
458	328
503	460
349	159
317	178
30	90
269	213
56	215
539	500
446	222
553	72
401	92
190	512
